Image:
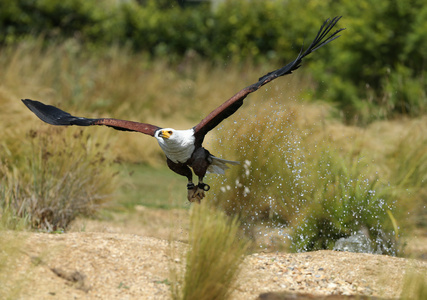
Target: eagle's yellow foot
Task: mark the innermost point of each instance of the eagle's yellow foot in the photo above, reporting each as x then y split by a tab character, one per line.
197	193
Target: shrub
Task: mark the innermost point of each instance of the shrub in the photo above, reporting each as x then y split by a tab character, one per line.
376	66
59	175
87	21
343	201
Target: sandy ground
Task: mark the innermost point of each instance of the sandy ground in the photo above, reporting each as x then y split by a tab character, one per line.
130	257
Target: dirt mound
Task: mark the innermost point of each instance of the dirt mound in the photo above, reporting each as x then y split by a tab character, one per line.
100	265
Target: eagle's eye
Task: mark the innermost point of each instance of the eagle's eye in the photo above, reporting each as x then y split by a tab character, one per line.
170	131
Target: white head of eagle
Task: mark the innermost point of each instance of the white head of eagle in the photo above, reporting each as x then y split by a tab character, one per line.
178	145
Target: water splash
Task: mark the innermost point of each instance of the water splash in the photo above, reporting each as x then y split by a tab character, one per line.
295	182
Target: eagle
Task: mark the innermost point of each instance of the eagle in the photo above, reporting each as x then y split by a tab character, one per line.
183	148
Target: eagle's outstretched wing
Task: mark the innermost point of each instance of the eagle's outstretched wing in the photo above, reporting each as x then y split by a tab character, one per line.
232	105
53	115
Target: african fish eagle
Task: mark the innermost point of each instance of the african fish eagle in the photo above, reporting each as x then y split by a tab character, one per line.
183	148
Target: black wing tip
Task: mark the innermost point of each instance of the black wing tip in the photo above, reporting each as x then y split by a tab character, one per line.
326	28
28	102
331	22
53	115
34	104
319	41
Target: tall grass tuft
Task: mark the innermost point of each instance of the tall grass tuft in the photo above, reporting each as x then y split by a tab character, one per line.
213	258
414	286
407	163
56	175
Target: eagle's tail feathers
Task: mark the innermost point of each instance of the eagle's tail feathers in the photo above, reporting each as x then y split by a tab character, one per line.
219	165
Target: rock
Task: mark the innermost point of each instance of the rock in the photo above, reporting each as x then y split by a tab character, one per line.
357	243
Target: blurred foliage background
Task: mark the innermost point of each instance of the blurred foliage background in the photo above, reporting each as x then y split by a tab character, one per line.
341	143
378	70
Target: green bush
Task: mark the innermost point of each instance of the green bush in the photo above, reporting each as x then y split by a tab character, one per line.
378	65
83	20
343	201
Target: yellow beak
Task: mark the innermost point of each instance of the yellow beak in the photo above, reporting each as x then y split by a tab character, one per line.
166	134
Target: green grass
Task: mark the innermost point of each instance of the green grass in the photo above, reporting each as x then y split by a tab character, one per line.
155	187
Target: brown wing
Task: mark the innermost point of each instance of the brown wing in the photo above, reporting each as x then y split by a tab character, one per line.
128	125
233	104
54	116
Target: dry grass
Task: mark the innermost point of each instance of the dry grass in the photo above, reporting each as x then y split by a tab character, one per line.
116	83
55	176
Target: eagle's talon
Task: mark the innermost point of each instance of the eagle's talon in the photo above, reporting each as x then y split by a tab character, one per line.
195	194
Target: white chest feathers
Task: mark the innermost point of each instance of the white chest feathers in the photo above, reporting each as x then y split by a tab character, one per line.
178	145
